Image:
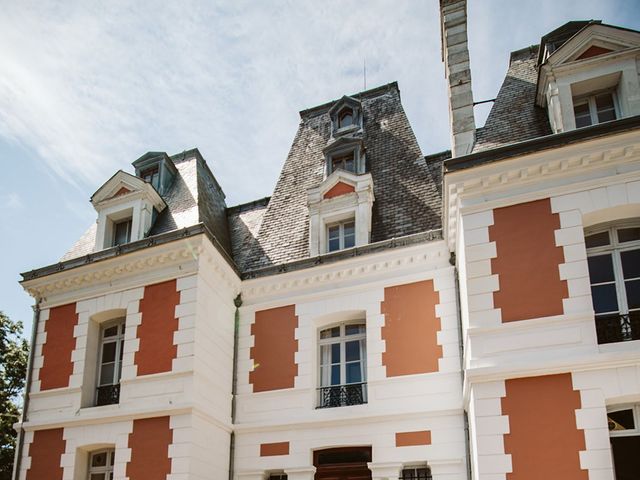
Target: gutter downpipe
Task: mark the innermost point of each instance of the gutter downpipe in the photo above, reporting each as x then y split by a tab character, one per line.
27	388
467	445
232	445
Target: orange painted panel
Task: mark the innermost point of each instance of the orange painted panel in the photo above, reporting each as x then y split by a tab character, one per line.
542	426
159	322
594	51
527	261
410	329
46	451
273	449
408	439
338	189
274	350
149	443
57	366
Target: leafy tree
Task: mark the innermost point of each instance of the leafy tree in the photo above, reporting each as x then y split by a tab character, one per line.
13	368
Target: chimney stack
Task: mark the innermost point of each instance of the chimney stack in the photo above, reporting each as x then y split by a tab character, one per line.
455	54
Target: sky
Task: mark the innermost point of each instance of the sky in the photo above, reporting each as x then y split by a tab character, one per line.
87	87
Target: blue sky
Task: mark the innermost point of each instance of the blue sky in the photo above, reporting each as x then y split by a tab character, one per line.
87	87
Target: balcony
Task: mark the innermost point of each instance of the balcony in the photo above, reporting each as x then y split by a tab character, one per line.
108	395
342	395
618	328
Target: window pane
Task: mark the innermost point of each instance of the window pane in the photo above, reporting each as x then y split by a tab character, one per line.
605	108
354	329
111	331
582	115
106	374
628	234
633	293
597	239
604	298
622	420
97	476
334	232
122	232
349	241
324	376
334	244
601	268
630	263
353	372
335	353
113	456
335	375
99	459
352	351
109	352
330	332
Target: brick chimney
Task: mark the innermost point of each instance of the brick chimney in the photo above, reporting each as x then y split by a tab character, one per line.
455	54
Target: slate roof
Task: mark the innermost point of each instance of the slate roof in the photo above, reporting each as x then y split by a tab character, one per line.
407	189
514	116
195	197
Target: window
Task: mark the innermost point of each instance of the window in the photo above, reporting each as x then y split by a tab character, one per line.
122	232
416	473
278	476
595	109
345	118
151	175
110	363
101	465
624	432
344	161
343	368
341	235
614	271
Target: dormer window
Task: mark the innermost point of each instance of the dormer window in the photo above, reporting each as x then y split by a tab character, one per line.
594	109
122	232
344	161
345	118
152	176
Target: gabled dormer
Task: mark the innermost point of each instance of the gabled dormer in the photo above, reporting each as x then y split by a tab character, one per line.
346	116
340	212
588	74
126	206
157	169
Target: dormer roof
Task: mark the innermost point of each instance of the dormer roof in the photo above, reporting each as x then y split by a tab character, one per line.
121	187
344	101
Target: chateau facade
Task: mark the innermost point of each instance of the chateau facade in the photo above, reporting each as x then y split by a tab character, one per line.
473	313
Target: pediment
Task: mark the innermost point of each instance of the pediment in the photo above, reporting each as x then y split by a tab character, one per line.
121	187
344	101
338	184
592	41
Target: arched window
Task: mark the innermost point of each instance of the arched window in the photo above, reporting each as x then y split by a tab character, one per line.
613	254
343	365
345	118
624	430
110	362
101	464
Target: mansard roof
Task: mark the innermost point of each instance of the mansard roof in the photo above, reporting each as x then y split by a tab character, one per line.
406	187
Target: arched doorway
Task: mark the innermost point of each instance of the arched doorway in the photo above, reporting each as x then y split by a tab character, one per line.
347	463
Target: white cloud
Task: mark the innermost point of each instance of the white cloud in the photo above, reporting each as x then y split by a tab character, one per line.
92	85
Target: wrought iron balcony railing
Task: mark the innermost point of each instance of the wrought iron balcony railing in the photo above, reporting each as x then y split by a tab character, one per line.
342	395
108	395
618	328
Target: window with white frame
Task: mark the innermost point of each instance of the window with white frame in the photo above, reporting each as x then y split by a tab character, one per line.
416	473
613	255
624	433
122	232
346	161
101	465
110	362
341	235
594	109
343	365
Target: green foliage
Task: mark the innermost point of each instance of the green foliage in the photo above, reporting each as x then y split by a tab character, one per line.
13	369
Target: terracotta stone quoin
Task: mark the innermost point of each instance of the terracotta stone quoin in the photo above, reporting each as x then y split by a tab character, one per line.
527	262
159	322
411	329
58	366
542	427
274	350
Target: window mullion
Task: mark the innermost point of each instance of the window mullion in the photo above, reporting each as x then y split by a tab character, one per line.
620	287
